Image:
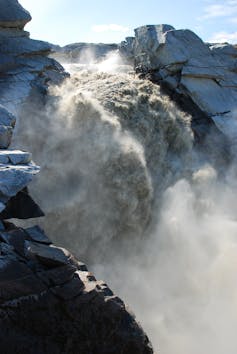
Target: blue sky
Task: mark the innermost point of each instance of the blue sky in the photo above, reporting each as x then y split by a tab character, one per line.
67	21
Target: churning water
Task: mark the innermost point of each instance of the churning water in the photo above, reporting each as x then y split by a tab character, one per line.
123	187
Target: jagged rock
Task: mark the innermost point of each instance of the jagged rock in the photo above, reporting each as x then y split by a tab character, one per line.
5	136
17	280
189	69
7	123
126	48
16	171
15	178
57	276
6	118
55	308
47	255
16	239
13	15
37	234
21	206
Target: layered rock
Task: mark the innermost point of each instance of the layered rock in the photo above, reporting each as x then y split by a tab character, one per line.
198	76
16	172
49	302
24	65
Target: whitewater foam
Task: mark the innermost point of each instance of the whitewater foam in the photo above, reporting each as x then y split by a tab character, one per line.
121	179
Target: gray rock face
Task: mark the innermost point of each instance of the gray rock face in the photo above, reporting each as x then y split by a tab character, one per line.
50	303
24	61
83	52
7	123
15	178
13	15
206	74
15	157
16	168
126	48
37	235
6	118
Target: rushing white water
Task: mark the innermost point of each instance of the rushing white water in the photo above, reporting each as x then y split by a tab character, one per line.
182	286
123	189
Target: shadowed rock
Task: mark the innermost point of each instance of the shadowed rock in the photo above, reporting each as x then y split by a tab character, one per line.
50	304
21	206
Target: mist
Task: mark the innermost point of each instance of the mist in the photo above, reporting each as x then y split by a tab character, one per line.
182	285
125	190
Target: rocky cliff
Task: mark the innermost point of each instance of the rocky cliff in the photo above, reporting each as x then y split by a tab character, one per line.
200	77
117	142
49	302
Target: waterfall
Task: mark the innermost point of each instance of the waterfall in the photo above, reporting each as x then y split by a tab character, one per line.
120	178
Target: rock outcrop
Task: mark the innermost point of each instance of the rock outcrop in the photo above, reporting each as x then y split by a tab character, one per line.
49	302
13	15
24	64
16	172
196	75
84	53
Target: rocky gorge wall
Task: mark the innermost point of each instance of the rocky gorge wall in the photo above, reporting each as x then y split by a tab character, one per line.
141	187
199	77
49	302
